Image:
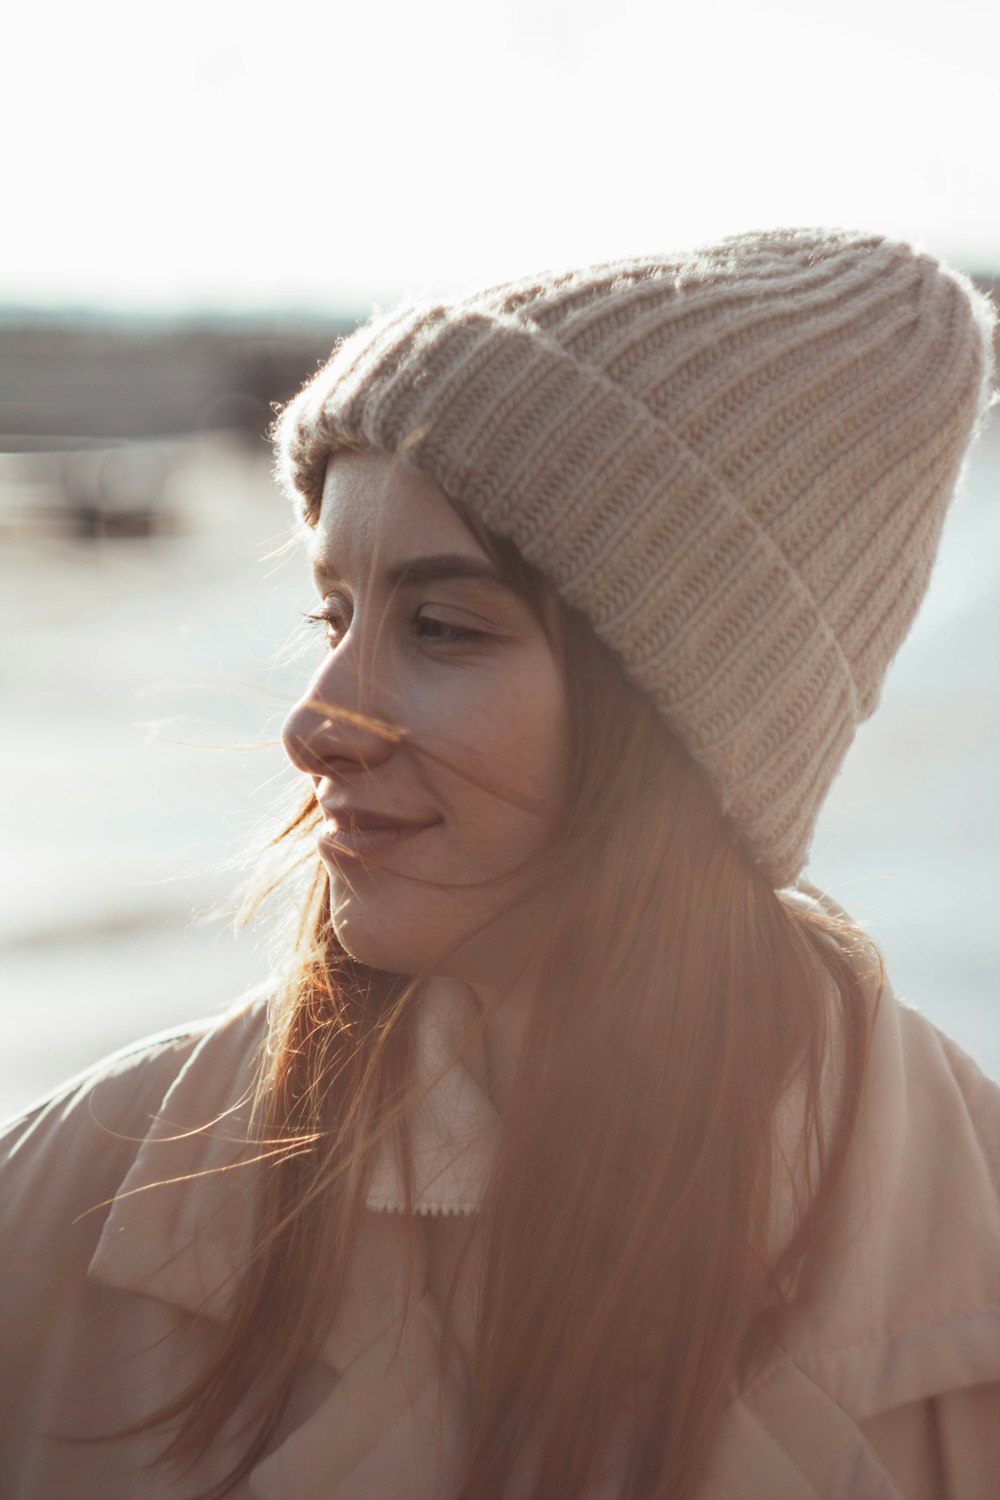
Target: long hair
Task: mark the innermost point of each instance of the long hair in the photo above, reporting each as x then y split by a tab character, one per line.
632	1273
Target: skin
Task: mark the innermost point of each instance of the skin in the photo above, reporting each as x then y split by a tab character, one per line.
464	668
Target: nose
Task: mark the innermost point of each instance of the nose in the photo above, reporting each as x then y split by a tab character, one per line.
333	728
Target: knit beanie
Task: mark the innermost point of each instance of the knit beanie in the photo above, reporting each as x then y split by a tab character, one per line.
735	461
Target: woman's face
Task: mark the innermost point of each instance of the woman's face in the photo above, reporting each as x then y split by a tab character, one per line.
427	834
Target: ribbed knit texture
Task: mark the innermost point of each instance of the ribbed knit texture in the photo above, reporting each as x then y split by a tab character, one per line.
735	462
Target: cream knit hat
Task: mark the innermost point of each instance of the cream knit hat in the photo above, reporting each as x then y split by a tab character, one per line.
736	462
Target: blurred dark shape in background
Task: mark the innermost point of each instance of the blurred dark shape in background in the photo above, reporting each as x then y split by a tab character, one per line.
92	409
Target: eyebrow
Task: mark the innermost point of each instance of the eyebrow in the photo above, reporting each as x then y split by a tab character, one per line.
434	569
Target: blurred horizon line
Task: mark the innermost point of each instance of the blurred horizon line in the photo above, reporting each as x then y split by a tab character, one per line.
300	312
180	316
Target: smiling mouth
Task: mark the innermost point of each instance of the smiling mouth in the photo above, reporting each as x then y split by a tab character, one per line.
361	841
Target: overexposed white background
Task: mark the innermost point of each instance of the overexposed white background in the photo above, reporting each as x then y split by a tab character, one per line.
226	151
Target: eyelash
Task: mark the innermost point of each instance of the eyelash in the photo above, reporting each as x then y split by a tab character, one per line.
450	634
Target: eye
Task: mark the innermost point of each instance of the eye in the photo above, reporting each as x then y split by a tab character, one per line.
430	628
333	615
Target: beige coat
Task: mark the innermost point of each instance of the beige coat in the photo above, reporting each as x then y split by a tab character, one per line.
885	1386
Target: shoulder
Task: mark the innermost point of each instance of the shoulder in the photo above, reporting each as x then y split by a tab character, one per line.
927	1111
902	1301
938	1067
67	1155
890	1349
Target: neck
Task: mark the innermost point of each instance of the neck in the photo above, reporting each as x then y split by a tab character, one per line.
506	1011
505	1032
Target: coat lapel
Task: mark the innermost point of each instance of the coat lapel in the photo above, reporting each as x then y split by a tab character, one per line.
785	1436
183	1214
901	1304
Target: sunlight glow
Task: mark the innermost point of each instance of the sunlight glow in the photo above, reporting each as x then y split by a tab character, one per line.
232	155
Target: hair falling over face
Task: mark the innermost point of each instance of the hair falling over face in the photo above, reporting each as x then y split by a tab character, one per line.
632	1274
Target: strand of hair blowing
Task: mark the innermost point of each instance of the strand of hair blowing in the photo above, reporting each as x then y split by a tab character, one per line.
629	1275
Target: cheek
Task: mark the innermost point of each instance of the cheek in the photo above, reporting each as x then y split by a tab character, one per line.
515	751
538	746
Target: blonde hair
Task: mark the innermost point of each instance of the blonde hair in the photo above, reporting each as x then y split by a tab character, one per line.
630	1271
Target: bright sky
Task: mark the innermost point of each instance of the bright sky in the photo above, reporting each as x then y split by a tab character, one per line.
225	153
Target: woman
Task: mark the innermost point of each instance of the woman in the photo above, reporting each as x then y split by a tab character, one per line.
584	1152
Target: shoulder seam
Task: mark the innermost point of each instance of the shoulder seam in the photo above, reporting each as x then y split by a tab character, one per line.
159	1041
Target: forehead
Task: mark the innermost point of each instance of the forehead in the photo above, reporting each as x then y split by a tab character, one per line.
378	503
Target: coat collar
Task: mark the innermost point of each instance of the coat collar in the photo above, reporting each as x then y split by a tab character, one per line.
900	1305
181	1216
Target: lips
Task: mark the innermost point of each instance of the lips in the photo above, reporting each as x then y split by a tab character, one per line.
349	830
345	816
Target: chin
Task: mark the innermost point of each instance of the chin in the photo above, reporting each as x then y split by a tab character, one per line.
386	944
418	932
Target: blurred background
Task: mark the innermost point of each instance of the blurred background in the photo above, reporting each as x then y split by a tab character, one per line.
197	203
